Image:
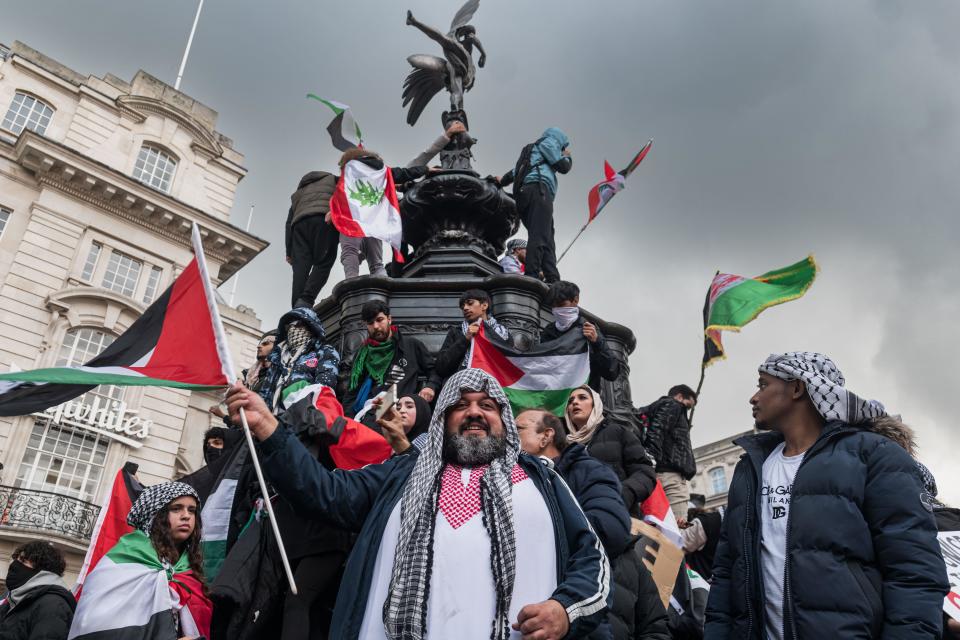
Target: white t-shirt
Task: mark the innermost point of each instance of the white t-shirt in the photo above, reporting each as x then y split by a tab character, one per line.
776	486
461	603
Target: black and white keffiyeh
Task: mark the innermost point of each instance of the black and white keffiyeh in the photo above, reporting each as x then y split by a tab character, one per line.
492	325
824	384
405	609
153	499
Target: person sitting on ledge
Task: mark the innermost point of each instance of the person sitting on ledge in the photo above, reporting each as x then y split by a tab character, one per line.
455	351
514	260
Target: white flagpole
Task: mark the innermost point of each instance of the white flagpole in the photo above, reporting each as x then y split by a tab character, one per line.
230	373
236	278
186	52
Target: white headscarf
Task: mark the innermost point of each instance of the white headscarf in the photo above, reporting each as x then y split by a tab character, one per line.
584	434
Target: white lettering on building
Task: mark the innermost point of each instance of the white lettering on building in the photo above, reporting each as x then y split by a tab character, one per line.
113	419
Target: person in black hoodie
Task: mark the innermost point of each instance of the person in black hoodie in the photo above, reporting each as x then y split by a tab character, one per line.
667	440
564	298
310	239
38	604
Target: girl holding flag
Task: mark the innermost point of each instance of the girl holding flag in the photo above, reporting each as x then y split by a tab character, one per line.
151	582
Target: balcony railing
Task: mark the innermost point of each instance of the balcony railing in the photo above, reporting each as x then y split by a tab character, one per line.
30	510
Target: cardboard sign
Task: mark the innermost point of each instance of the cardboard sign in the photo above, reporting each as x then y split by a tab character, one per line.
667	558
950	547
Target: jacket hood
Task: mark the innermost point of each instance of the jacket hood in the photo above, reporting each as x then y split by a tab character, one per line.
38	585
306	315
559	136
313	176
892	428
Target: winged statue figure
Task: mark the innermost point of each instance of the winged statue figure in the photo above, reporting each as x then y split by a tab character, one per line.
455	72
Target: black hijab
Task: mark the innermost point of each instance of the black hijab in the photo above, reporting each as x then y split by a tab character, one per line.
422	422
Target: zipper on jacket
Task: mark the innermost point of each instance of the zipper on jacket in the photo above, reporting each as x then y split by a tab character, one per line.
747	553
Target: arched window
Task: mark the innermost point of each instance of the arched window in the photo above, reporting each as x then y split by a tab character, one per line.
155	167
27	112
718	480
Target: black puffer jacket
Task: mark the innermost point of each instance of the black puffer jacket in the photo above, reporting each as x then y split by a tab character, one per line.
312	198
43	612
862	554
637	611
619	446
668	439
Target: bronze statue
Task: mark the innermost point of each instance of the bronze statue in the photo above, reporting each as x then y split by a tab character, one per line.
454	72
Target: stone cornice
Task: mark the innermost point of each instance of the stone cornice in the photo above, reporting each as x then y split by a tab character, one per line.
204	141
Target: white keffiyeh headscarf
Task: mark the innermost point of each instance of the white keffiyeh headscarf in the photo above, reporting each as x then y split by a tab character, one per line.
144	511
824	384
405	609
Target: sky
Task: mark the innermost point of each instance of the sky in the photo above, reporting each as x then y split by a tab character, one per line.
780	130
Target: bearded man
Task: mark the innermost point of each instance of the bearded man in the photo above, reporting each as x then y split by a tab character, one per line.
454	540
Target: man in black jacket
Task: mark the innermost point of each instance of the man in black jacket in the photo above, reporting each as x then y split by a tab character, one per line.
564	299
668	443
386	357
311	240
825	531
37	603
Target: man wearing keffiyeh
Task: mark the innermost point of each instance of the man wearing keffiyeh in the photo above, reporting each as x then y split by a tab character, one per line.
454	538
825	528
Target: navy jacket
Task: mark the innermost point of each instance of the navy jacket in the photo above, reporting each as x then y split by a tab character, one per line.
862	554
363	499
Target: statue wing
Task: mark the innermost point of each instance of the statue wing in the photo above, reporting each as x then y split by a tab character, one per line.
419	87
464	15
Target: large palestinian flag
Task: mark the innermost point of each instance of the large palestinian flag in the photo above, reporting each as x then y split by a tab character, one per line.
541	378
733	301
365	205
172	344
130	594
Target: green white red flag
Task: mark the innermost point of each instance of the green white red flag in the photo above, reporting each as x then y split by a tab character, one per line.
541	378
365	205
733	301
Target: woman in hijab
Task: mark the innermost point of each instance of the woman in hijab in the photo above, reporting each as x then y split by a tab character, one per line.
611	442
406	422
159	562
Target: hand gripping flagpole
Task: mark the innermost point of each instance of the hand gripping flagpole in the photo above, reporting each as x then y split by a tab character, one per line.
230	372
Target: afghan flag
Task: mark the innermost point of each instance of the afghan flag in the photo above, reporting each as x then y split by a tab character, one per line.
541	378
612	183
112	522
172	344
733	301
130	594
365	205
343	129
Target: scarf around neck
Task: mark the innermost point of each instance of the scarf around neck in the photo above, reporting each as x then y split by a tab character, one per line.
405	608
374	358
584	434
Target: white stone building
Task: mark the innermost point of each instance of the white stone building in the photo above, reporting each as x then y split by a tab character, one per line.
100	182
715	464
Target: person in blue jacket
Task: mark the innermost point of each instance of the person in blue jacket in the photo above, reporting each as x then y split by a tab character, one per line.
536	175
825	533
454	538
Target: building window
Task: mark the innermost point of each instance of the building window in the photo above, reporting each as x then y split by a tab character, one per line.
79	347
63	459
718	480
91	264
122	273
26	112
4	216
155	167
153	282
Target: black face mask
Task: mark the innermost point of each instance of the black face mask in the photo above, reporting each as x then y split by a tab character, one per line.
211	453
18	574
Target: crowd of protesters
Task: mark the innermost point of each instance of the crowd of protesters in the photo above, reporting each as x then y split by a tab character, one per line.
413	502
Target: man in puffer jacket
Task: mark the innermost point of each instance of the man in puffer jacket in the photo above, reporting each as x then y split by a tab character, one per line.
310	239
825	531
38	605
668	443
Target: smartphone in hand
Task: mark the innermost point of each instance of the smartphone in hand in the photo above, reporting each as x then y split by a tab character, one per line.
387	401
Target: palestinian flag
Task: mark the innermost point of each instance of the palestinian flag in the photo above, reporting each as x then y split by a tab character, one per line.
733	301
365	205
656	510
613	182
541	378
172	344
130	595
343	129
112	522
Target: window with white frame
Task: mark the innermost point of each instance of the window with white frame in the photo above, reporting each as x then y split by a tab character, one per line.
155	167
4	216
718	480
62	459
27	112
122	273
91	263
153	283
79	347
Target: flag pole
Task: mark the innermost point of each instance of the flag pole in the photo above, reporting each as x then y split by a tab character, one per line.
236	277
703	373
575	238
186	52
230	372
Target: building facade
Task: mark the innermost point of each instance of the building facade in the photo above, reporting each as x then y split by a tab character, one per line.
715	464
101	181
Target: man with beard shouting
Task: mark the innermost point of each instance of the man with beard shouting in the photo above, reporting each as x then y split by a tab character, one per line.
454	541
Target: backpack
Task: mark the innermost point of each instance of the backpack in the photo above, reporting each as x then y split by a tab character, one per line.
645	418
523	167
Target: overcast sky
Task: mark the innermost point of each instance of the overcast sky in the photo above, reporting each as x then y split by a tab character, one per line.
781	129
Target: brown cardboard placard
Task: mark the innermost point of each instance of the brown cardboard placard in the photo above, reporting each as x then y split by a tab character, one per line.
667	558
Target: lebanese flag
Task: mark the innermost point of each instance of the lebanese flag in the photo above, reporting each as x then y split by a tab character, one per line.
656	510
173	344
365	205
112	522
